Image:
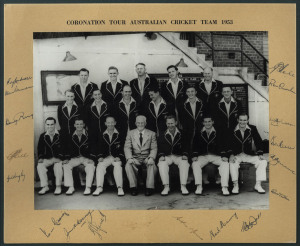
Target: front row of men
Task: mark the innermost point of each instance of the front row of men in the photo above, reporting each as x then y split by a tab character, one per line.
142	150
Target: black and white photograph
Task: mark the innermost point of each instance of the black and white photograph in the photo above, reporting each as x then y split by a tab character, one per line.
151	120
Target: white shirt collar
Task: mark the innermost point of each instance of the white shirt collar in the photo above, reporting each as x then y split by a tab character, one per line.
231	100
118	81
106	131
55	132
141	131
131	100
170	81
238	127
147	76
197	100
212	129
161	101
88	82
83	132
176	131
202	80
94	103
65	105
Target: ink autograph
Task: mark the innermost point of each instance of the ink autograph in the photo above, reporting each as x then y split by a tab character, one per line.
19	116
16	154
190	229
246	226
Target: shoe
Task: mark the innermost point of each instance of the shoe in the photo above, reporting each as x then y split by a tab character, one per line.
149	192
98	191
235	189
57	190
198	190
87	191
134	191
120	191
184	190
225	191
165	191
70	191
259	189
44	190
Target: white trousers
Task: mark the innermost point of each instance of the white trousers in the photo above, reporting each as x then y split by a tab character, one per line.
183	166
216	160
74	162
101	171
260	165
42	169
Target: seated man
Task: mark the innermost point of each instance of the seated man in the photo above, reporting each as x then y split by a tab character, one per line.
77	153
241	151
110	153
140	151
49	153
208	148
169	152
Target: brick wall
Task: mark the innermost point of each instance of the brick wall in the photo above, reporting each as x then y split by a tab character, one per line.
233	43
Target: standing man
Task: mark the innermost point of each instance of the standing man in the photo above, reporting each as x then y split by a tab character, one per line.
110	154
112	88
84	89
241	152
67	113
170	152
140	152
49	153
126	113
140	85
209	90
78	153
209	147
174	91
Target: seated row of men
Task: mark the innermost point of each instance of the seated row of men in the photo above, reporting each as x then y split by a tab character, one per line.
142	150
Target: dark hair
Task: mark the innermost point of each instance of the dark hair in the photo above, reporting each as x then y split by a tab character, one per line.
154	88
69	90
172	66
84	70
79	118
51	118
226	86
140	63
110	116
207	116
168	117
243	114
190	86
113	67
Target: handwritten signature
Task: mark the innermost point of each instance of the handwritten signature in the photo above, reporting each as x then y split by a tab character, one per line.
190	229
251	223
274	191
281	144
56	222
15	176
222	225
276	161
281	86
277	122
281	68
12	82
19	116
17	89
16	154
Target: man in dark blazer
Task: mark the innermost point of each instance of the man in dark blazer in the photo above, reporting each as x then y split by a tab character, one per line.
241	152
50	152
140	85
67	113
174	92
209	90
209	147
126	113
112	88
78	152
84	89
110	152
170	152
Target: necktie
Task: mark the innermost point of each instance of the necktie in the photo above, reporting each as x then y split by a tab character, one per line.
141	138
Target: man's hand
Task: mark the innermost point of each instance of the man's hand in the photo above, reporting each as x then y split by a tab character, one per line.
162	158
100	159
225	159
150	161
117	159
65	162
232	159
40	160
195	158
184	157
261	157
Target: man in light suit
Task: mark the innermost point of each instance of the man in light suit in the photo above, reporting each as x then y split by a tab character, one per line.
140	151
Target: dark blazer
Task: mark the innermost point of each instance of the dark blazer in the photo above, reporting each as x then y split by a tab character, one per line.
67	121
157	123
244	145
213	97
125	121
76	148
87	99
204	145
48	149
136	93
108	94
168	147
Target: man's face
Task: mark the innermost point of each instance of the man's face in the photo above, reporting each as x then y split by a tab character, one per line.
227	92
126	92
153	95
110	123
113	74
173	74
208	123
79	125
70	97
83	76
140	70
97	95
50	126
191	93
171	124
140	123
243	121
207	73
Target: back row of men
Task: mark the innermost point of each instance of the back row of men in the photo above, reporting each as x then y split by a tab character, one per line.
110	115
